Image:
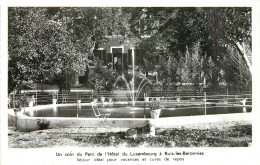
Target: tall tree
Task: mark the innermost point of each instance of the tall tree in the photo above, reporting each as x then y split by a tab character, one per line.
215	28
47	44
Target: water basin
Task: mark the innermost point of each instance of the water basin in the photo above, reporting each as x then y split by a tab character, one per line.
130	111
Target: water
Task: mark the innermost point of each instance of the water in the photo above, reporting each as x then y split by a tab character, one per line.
129	111
131	85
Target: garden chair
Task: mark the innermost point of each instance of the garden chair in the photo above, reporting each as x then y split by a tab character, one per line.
97	112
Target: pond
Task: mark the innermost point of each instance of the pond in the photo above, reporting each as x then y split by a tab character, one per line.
137	111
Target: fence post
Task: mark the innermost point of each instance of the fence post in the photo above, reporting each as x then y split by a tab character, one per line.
36	98
144	111
205	103
14	100
227	95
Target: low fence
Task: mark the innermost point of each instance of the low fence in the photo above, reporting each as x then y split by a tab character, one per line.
43	98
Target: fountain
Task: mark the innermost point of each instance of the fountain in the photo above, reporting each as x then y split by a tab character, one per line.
131	85
80	114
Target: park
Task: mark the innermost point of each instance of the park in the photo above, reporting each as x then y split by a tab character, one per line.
129	77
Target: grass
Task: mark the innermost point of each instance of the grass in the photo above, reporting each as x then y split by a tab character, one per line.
233	135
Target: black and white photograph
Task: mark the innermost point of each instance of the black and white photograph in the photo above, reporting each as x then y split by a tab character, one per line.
130	84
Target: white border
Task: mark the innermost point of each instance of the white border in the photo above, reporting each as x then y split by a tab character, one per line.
213	155
134	3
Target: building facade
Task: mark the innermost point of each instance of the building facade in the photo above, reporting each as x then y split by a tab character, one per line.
118	53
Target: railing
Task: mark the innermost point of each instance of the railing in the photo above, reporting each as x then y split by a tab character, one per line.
44	98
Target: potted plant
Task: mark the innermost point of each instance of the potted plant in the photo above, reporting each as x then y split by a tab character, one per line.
147	93
103	99
43	123
31	101
243	101
95	98
146	99
155	109
110	99
78	101
178	99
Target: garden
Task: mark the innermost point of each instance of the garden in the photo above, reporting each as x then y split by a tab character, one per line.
222	134
169	62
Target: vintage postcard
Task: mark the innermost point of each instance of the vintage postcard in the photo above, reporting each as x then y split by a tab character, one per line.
130	82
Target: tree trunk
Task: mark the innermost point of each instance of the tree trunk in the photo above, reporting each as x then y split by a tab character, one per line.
242	52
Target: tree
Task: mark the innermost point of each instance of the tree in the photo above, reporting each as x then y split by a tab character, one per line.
40	48
236	74
52	44
191	68
215	28
167	72
47	44
103	78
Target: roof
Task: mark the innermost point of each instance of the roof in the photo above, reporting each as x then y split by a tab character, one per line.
116	41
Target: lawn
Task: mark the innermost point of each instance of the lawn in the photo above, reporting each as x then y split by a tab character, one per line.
221	134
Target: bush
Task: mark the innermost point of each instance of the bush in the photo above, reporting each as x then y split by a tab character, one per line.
43	124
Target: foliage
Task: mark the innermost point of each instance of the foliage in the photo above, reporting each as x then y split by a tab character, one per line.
167	72
191	67
103	77
64	80
155	105
235	135
40	46
23	100
241	79
54	95
177	137
48	45
174	30
209	68
43	123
